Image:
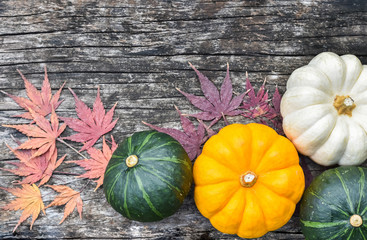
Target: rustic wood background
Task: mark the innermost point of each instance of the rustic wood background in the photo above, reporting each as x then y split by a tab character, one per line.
138	53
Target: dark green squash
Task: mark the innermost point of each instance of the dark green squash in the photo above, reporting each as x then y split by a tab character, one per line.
148	176
334	206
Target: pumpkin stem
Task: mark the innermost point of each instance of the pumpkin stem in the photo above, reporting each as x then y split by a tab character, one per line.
344	105
248	179
356	220
132	160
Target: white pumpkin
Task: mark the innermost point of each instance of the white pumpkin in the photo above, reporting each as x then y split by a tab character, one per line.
324	109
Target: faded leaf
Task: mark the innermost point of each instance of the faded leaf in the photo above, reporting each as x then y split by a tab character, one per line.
28	199
215	104
41	102
191	138
68	197
96	165
44	133
92	124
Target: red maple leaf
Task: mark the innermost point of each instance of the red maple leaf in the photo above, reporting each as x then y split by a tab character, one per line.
215	104
190	138
68	197
96	165
41	102
44	133
35	169
92	124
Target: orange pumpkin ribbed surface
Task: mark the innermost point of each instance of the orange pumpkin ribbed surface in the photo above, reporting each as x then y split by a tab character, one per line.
248	180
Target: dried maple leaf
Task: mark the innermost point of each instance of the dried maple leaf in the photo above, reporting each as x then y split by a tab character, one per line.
35	169
44	133
68	197
215	104
29	200
92	124
190	138
96	165
41	102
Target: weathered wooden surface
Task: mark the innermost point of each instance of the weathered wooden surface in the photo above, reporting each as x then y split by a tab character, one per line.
138	53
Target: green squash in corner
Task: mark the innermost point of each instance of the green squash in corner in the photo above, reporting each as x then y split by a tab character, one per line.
334	206
148	177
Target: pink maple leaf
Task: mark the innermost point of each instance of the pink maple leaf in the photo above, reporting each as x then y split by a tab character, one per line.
215	104
96	165
44	134
92	124
191	138
41	102
34	169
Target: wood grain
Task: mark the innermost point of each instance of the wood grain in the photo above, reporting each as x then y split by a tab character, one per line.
137	52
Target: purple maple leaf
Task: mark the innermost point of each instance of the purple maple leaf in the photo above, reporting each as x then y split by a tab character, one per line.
275	111
276	103
215	104
190	138
259	106
306	170
256	104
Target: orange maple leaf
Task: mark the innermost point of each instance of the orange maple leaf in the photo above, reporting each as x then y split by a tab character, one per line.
41	102
34	169
68	197
44	134
29	199
96	165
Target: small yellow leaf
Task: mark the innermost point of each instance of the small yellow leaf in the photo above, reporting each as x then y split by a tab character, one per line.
29	200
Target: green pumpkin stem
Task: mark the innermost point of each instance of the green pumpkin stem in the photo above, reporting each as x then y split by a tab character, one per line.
132	160
356	220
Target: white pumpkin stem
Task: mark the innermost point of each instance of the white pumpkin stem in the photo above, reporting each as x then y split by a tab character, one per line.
344	105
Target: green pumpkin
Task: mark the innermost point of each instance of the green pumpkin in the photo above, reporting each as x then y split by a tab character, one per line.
334	206
148	176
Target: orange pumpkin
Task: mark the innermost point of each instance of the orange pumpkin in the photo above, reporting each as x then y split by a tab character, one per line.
248	180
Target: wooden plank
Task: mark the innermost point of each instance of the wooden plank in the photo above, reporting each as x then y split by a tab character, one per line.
137	52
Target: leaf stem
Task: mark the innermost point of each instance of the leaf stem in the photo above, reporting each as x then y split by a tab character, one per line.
85	186
225	119
68	145
65	173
